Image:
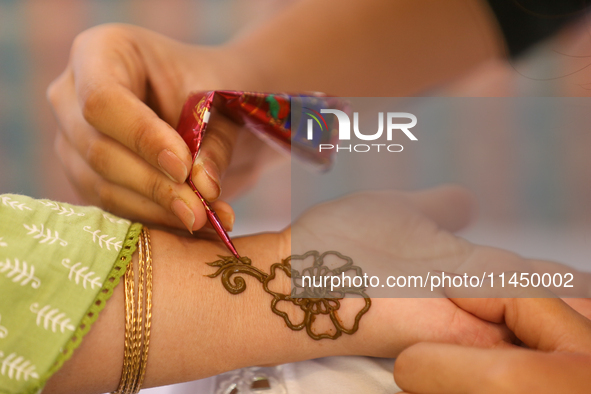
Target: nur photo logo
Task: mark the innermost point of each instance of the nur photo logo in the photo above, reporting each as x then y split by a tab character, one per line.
395	122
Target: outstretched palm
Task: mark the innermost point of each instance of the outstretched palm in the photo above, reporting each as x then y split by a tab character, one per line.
393	233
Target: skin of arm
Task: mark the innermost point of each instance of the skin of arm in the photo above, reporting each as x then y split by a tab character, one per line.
369	48
199	329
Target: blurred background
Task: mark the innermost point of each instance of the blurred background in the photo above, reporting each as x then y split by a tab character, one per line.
534	190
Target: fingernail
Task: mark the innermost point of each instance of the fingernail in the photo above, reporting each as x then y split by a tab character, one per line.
183	212
172	166
207	173
227	220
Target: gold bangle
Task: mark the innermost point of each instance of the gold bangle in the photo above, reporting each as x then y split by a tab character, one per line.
138	310
148	320
129	284
137	326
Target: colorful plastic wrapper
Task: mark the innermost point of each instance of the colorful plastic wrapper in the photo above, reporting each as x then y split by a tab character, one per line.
268	115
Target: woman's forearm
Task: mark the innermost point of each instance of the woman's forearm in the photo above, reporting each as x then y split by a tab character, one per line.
366	48
198	329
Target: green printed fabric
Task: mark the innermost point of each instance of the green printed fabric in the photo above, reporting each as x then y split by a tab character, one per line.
58	266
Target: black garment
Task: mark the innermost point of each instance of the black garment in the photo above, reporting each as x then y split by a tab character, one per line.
525	22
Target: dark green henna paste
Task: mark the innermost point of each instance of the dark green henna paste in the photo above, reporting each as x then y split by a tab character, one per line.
312	301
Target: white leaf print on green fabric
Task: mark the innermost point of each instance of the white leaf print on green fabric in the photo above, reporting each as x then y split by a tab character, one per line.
16	367
14	204
61	210
103	239
78	272
49	315
49	237
116	220
3	330
20	272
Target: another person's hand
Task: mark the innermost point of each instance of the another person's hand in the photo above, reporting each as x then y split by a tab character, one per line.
400	231
117	104
558	359
396	233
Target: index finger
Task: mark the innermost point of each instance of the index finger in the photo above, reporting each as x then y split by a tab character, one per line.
111	78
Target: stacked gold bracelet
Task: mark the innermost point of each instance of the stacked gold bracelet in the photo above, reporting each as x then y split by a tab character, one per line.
137	335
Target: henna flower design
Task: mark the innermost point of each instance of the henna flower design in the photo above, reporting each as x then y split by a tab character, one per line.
313	301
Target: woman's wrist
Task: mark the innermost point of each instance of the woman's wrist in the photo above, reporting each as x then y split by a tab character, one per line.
211	330
199	329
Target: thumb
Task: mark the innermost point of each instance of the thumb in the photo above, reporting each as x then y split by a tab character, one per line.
541	320
214	155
